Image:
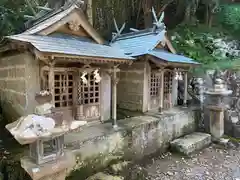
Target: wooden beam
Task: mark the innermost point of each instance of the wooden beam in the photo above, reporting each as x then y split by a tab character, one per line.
86	59
44	8
114	96
30	6
51	79
29	17
185	89
134	30
161	94
169	44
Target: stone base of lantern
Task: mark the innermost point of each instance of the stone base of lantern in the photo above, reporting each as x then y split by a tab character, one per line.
55	170
216	122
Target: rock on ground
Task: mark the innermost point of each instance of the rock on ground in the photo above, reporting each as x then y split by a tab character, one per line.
103	176
191	143
116	168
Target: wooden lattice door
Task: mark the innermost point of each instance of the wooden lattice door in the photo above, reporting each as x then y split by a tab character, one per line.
89	97
63	93
155	85
167	101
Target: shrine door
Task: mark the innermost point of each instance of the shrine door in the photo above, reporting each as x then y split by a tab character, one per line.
167	101
70	92
154	87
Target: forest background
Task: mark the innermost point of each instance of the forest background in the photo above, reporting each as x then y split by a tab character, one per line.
205	30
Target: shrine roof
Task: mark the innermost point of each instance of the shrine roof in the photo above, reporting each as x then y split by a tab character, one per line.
71	45
48	18
170	57
139	43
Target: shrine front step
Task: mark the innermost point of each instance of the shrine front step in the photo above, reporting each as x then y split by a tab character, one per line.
191	143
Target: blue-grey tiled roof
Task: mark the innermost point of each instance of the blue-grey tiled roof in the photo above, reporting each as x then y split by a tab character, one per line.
170	57
139	43
71	45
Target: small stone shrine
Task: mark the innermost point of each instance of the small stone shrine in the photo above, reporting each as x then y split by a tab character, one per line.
217	108
44	132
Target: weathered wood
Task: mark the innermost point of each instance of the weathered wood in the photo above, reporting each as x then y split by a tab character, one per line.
44	8
65	29
86	59
161	94
51	80
31	7
75	15
114	96
185	88
134	30
118	31
169	45
29	17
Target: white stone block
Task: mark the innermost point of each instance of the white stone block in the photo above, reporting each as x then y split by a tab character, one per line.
192	142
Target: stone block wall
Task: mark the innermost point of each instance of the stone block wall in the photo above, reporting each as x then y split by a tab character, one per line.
130	87
15	84
138	137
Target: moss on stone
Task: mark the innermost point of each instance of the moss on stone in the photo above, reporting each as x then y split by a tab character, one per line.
103	176
91	166
236	140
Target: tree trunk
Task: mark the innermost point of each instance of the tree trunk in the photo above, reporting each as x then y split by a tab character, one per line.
147	6
210	20
187	13
207	15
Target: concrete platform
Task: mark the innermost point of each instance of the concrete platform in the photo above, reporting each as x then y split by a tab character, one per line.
191	143
134	138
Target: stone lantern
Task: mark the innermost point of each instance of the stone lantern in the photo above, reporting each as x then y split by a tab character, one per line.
216	108
48	148
44	132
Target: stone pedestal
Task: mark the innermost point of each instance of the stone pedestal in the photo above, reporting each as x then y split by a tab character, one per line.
54	170
216	121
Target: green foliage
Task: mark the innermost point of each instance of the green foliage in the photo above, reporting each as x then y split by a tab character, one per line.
229	16
11	16
197	42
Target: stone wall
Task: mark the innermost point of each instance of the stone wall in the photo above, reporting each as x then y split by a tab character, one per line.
18	77
137	137
130	88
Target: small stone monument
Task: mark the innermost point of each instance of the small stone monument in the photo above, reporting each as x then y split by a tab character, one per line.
216	108
44	132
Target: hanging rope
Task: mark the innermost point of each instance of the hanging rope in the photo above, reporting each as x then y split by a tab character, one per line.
64	84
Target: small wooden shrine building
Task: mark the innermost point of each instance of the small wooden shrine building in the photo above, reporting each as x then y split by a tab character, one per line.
151	82
64	54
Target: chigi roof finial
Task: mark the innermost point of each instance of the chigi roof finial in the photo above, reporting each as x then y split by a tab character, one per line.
118	31
157	22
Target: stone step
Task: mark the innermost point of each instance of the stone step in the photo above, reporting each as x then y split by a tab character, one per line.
191	142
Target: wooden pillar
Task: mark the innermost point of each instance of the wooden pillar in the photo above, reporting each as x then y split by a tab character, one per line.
51	80
185	89
174	88
161	94
114	96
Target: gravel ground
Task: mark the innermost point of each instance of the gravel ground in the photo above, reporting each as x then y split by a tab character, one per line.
212	163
